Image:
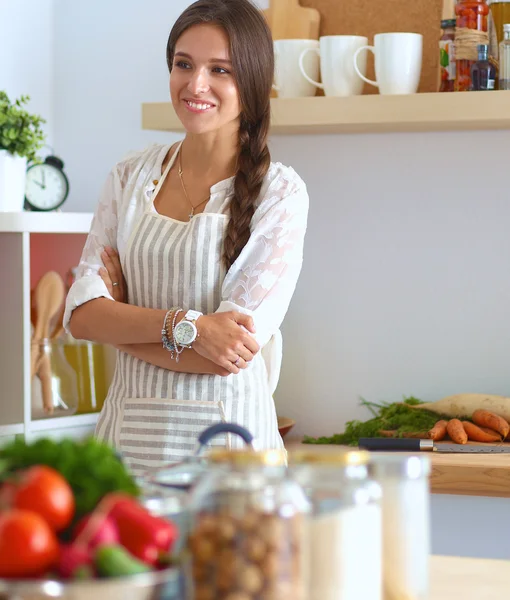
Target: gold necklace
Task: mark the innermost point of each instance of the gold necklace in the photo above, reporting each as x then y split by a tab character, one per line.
192	213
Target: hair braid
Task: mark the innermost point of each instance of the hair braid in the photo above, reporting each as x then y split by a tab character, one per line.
253	163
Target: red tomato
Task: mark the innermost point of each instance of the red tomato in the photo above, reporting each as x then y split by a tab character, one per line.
28	547
43	490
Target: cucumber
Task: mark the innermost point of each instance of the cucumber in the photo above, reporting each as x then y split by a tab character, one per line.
116	561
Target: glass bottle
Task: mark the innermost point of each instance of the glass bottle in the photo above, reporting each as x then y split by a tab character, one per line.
248	529
499	16
471	31
483	72
504	59
406	523
447	55
345	530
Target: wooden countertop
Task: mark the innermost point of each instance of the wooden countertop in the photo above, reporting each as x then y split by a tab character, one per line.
462	474
452	577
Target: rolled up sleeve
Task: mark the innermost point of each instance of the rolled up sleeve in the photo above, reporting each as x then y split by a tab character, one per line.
103	232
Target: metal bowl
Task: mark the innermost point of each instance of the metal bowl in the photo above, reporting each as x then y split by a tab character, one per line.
158	585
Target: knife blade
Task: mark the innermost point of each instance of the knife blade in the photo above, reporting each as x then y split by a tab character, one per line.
416	445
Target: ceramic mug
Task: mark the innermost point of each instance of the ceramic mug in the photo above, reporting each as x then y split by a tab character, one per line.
289	82
398	59
336	54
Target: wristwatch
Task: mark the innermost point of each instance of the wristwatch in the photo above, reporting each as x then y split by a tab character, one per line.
185	332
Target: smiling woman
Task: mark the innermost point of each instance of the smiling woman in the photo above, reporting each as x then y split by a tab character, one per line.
195	251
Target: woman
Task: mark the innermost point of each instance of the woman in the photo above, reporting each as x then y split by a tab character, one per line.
210	225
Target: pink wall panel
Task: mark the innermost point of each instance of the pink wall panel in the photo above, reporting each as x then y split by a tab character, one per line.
54	252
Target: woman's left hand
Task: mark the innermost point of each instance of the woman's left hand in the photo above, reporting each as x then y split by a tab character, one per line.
112	275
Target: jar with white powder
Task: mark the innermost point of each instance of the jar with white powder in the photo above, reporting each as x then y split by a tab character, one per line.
345	526
404	481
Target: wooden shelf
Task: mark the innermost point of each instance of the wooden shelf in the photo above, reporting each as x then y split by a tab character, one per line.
64	422
45	222
462	111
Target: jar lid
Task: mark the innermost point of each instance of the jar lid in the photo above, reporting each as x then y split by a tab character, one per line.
396	465
448	23
343	458
247	457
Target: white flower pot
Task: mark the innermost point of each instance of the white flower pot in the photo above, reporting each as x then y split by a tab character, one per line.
13	171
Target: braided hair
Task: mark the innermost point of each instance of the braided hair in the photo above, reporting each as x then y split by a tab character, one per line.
251	53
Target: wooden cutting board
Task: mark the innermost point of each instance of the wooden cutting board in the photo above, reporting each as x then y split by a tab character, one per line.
289	20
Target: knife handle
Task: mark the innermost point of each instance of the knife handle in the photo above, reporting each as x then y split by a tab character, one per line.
397	444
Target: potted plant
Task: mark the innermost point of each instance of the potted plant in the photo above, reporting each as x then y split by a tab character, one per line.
21	137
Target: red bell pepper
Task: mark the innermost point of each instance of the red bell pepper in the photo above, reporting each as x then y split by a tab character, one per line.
138	528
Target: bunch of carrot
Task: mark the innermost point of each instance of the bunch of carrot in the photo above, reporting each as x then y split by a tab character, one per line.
486	427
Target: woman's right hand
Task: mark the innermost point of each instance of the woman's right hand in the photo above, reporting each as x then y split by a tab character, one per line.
225	339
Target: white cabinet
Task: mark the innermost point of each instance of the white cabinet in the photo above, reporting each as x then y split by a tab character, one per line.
30	245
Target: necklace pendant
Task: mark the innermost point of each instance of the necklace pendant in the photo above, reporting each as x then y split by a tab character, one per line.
191	214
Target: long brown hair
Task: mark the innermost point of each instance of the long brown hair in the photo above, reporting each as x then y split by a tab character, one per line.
251	53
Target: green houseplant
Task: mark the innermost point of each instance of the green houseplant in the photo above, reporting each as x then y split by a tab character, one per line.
20	131
21	136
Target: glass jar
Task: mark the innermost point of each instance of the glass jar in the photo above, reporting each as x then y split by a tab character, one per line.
447	55
504	59
248	531
89	363
54	389
498	17
406	523
345	534
471	31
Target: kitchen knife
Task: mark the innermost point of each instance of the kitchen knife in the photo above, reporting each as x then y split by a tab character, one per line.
416	445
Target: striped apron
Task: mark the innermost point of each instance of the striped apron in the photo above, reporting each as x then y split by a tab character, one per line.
153	416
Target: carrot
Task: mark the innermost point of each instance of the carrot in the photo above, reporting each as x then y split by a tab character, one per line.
477	434
491	432
420	435
389	433
488	419
456	431
438	432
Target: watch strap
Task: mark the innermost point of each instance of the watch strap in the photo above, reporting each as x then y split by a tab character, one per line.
192	315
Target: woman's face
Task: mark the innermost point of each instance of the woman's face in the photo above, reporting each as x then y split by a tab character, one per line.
202	87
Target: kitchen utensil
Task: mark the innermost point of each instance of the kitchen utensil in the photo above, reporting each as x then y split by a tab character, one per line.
48	297
166	492
398	60
414	445
159	585
336	64
287	19
289	81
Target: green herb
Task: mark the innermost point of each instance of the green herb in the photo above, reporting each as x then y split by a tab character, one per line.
91	468
399	417
20	132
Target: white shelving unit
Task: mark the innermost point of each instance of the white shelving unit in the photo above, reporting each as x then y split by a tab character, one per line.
15	325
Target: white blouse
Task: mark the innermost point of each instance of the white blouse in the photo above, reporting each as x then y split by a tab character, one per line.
260	282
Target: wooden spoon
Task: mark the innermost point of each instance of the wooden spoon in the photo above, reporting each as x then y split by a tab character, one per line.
48	297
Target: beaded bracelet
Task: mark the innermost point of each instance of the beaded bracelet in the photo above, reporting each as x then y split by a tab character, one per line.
176	349
167	343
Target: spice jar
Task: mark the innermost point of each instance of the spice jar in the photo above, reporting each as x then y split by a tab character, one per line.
248	531
345	533
447	55
471	31
406	523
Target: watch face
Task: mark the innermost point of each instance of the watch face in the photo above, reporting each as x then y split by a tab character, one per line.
46	187
184	333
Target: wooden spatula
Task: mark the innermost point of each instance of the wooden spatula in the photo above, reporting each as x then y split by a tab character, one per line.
288	20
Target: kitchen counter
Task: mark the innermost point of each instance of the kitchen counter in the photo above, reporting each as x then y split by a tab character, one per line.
468	578
462	474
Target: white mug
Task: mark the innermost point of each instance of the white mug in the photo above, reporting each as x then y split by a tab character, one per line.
289	82
398	58
337	69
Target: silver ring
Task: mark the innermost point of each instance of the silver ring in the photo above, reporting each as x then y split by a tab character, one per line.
115	283
237	361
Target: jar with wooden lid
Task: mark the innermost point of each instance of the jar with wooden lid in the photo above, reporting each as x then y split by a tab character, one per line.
248	535
345	527
471	31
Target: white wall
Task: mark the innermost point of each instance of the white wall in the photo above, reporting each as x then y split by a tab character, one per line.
405	286
26	56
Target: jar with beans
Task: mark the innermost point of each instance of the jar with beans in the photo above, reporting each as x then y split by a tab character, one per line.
471	31
248	535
